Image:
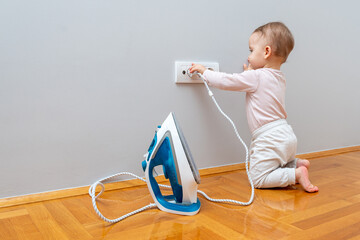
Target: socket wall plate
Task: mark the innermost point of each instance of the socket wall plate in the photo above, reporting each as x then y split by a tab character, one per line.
181	74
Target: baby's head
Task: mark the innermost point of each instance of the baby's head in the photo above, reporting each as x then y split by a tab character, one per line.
270	42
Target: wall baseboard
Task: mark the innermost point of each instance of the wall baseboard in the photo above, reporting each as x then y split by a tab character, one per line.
72	192
330	152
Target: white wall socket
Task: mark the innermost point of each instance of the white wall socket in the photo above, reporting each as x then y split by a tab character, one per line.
181	68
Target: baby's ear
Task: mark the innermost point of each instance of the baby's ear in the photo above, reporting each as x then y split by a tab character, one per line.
268	52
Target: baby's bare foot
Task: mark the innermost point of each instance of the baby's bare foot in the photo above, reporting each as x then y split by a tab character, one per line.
302	162
302	176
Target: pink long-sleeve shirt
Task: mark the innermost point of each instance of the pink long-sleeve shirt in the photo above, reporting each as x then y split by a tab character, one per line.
265	93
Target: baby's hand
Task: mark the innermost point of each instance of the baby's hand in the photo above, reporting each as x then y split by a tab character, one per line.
197	68
247	67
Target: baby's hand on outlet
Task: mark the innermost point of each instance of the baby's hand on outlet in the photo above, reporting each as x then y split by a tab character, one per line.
197	68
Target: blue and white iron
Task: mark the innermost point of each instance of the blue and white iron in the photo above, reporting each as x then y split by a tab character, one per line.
170	149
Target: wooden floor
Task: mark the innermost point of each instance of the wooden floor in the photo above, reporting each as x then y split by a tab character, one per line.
332	213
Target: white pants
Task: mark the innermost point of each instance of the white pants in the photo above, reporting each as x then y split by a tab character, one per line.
272	155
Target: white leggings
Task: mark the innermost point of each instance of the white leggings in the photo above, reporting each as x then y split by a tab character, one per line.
272	155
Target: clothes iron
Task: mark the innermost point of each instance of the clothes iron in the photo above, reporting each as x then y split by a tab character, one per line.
170	150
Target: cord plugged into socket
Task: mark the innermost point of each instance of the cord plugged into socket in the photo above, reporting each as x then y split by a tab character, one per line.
182	74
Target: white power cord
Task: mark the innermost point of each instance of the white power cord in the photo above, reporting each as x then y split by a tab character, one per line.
108	180
111	179
242	142
151	205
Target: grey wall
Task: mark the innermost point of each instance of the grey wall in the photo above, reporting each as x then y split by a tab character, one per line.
84	83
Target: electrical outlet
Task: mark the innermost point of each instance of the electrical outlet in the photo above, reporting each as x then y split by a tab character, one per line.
181	71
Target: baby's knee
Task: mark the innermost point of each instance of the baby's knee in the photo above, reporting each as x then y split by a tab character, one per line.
257	185
281	177
256	180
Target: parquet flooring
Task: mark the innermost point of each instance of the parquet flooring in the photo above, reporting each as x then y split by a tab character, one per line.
290	213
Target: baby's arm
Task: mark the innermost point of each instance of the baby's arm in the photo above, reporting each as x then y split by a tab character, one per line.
246	81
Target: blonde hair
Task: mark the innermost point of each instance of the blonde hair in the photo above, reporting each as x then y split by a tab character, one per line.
279	37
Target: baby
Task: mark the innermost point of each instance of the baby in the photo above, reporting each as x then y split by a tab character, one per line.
273	144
